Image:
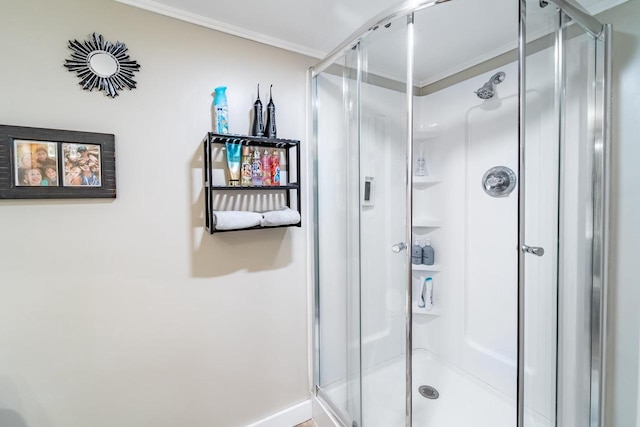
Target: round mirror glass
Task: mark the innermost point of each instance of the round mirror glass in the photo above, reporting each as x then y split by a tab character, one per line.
103	63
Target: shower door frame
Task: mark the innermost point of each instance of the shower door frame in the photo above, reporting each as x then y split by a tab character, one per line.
600	123
601	202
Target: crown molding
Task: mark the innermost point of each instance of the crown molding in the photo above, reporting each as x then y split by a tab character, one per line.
172	12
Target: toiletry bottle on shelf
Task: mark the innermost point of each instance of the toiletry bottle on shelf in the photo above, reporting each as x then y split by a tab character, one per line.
275	168
416	253
420	302
270	125
426	294
421	166
233	162
221	110
428	255
257	128
266	168
256	168
246	168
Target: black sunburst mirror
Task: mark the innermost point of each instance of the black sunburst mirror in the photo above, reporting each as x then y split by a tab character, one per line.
102	65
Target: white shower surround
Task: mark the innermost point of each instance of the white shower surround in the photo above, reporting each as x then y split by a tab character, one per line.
476	245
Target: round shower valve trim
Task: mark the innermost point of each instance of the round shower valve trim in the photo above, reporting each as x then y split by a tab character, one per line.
499	181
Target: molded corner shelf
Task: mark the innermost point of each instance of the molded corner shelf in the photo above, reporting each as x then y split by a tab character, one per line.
429	131
419	310
421	267
426	223
425	181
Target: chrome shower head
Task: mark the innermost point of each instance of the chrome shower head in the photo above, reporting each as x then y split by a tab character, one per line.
488	90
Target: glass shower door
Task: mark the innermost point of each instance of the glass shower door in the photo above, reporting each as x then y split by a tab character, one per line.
540	174
362	250
385	265
338	246
564	182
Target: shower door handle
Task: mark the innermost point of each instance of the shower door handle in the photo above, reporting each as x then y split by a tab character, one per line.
535	250
399	247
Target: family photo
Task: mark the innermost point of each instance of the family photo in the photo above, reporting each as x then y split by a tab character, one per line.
81	165
36	163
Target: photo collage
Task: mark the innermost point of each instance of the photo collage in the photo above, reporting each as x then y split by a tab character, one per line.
39	164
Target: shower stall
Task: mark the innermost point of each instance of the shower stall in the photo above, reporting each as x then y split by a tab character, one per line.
478	130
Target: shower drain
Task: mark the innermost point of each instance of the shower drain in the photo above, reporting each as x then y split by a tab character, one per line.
428	392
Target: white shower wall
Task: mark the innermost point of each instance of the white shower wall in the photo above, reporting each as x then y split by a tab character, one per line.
475	291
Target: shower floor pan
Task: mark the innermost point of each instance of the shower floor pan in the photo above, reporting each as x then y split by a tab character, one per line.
463	400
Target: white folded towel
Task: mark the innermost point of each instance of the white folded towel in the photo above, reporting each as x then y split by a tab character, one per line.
234	220
284	216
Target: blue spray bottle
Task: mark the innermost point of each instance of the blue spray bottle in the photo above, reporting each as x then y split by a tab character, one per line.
221	110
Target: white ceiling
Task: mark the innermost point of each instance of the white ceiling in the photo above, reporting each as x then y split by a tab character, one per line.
310	27
449	37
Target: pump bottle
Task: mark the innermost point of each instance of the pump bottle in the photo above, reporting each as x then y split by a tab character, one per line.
428	255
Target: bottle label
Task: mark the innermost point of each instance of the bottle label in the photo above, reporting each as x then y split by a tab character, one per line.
275	169
247	172
222	117
266	170
257	172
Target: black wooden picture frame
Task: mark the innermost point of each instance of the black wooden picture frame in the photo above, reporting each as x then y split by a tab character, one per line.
102	169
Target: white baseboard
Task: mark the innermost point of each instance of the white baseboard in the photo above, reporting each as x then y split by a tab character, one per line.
289	417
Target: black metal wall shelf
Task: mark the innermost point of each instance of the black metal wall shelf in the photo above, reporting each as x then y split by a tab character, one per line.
263	188
291	149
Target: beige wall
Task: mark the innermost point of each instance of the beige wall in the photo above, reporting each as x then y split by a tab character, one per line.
125	313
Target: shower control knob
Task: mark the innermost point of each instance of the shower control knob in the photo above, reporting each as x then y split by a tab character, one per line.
535	250
494	181
499	181
399	247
